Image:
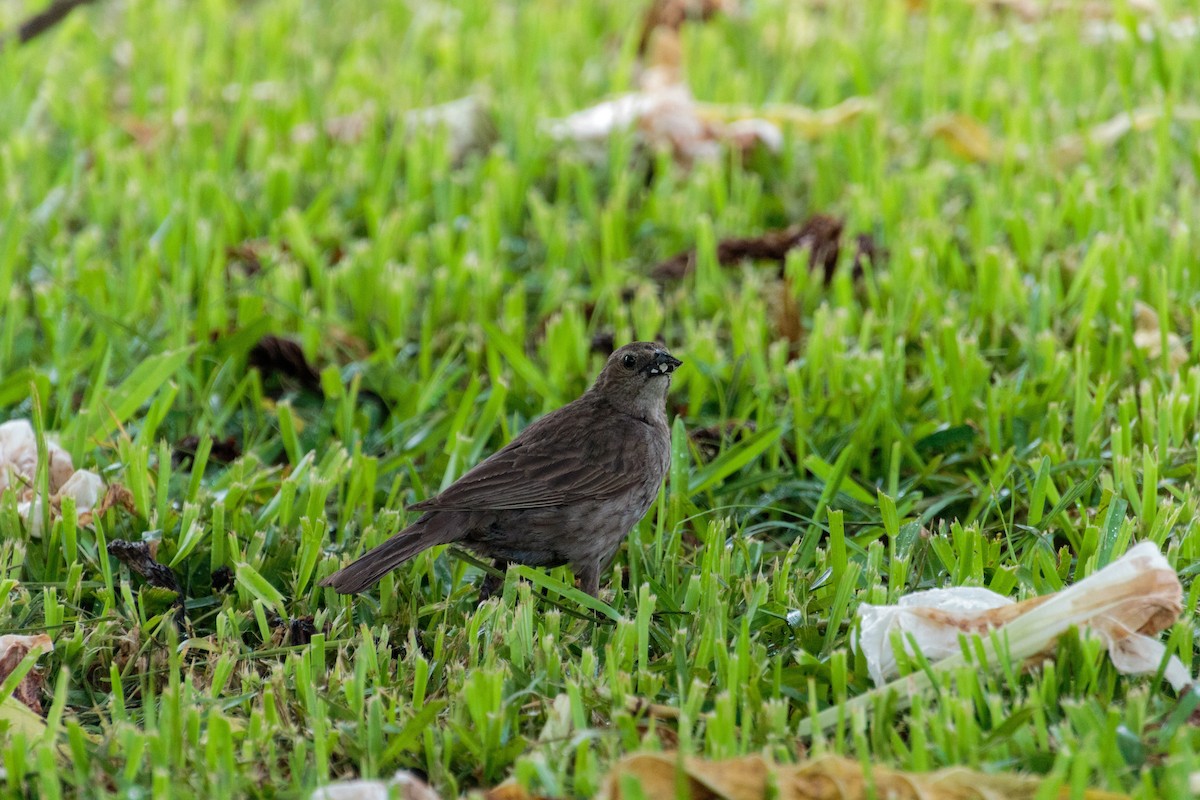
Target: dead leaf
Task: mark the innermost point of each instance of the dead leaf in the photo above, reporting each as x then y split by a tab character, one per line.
467	123
248	255
820	233
223	451
137	556
18	471
275	355
1126	604
966	136
829	778
1148	338
671	14
301	630
117	496
806	122
603	342
351	128
222	579
508	791
13	649
1035	10
1070	149
403	785
710	439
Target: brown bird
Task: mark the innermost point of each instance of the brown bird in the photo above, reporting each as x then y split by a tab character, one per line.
567	490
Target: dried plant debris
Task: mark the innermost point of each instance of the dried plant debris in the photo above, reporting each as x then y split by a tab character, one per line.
1126	604
1037	10
117	496
710	439
301	630
248	256
139	559
277	356
1150	338
829	778
970	139
672	14
223	451
603	342
466	124
821	234
222	579
404	785
666	117
18	474
13	649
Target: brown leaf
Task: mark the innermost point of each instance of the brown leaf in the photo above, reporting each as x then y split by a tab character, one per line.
137	556
1070	149
248	255
1148	338
829	778
222	579
671	14
274	355
301	630
224	451
117	496
13	649
820	233
965	135
404	785
604	342
710	439
664	114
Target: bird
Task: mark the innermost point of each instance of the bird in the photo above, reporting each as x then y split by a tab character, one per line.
566	491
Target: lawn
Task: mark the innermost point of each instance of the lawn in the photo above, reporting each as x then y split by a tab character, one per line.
242	283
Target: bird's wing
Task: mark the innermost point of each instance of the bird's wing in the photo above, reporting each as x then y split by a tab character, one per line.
563	458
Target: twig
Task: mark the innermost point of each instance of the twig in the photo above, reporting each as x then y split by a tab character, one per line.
41	22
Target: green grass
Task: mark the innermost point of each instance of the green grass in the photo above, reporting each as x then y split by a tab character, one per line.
979	384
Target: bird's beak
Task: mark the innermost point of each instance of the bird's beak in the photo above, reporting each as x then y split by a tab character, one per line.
663	364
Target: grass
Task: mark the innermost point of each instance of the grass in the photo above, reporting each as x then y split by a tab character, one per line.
972	411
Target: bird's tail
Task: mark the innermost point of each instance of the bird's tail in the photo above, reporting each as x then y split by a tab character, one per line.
433	528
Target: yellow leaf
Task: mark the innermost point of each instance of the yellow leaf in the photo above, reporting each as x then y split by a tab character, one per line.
964	134
832	778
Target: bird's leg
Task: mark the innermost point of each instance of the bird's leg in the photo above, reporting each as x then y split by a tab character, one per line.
588	578
493	583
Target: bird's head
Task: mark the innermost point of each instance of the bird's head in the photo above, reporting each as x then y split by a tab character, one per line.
636	378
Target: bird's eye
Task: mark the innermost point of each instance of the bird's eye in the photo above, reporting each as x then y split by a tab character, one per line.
629	362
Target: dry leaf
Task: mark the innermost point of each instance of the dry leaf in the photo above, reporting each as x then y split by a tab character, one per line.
1125	604
467	122
223	451
672	14
1148	337
830	778
964	134
666	116
1105	31
806	122
820	233
403	785
709	440
18	472
275	355
13	649
139	559
1070	149
1035	10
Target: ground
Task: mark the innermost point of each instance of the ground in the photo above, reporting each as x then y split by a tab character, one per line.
1002	391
